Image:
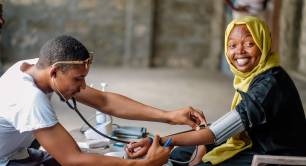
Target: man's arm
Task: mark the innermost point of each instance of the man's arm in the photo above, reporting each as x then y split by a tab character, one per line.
123	107
120	106
60	145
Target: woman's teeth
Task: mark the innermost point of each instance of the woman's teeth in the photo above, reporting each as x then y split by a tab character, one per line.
242	61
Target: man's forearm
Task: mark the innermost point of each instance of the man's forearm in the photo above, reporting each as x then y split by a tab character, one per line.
123	107
201	137
120	106
91	159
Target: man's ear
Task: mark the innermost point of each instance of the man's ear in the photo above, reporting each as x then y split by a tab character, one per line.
53	71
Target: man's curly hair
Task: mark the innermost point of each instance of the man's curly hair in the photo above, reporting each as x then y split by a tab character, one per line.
61	48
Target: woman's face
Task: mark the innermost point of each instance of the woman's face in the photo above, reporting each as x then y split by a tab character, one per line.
242	51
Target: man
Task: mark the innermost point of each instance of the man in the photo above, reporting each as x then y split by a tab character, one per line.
26	112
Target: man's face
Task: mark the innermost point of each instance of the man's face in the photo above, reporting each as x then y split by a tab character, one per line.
242	51
71	81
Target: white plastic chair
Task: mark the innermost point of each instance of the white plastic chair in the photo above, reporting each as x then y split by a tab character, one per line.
261	160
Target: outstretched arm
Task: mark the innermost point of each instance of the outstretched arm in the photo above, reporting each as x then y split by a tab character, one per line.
228	125
200	137
124	107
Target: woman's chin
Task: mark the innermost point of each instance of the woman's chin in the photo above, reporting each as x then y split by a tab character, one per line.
243	69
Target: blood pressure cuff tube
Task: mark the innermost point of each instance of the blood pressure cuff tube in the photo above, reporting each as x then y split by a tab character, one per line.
228	125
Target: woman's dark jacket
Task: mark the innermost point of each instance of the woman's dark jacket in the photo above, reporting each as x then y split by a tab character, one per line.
273	115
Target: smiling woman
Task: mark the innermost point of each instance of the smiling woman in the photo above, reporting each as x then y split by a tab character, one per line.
265	98
242	52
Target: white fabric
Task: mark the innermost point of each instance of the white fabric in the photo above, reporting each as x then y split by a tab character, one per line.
23	109
254	6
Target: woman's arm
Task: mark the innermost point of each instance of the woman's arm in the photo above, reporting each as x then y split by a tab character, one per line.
228	125
223	128
201	137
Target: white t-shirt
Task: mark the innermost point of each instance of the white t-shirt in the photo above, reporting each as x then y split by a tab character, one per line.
255	6
23	109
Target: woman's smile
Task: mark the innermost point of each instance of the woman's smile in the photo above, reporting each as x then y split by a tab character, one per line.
242	51
242	61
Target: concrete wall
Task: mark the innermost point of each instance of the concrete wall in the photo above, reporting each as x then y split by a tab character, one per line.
302	50
290	30
182	32
98	23
172	33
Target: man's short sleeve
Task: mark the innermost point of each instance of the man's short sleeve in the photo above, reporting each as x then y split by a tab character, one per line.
35	112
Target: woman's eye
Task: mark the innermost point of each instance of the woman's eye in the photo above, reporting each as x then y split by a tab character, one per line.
231	46
249	44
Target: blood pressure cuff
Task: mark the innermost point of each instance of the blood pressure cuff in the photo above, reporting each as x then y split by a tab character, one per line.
228	125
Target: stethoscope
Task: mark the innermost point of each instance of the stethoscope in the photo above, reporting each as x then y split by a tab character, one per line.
74	107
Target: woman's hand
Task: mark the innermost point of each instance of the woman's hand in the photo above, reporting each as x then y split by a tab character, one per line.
138	149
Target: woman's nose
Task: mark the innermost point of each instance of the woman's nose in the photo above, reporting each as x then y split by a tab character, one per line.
240	49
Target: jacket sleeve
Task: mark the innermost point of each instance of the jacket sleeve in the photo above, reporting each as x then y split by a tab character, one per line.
260	103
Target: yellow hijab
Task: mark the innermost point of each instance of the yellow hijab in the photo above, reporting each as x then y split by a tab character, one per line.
262	38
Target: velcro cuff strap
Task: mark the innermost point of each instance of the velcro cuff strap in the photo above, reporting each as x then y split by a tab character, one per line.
228	125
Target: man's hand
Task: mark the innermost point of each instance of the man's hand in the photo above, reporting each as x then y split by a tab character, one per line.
158	155
187	116
138	149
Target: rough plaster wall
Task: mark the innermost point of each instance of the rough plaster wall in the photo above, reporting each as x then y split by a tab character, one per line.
290	27
97	23
182	32
302	52
216	52
138	33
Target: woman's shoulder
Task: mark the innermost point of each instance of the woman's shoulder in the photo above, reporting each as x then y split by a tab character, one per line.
273	75
275	78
